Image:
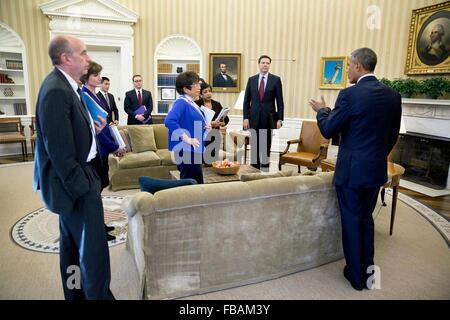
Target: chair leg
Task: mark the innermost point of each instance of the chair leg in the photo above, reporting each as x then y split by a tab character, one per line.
26	151
299	170
23	151
382	193
279	166
394	207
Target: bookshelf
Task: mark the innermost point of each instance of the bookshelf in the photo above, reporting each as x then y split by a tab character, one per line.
13	101
173	55
165	81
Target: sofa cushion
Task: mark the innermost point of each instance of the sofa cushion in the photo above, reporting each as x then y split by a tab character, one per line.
258	175
126	138
161	136
166	157
154	185
142	138
138	160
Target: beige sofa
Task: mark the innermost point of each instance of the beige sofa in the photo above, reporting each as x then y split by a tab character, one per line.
195	239
124	172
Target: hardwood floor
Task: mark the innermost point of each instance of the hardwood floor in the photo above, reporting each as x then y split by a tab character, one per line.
439	204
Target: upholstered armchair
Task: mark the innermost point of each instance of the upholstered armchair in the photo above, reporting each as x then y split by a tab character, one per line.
312	148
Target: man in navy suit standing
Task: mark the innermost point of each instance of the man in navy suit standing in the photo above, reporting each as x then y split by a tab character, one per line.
108	100
260	113
367	115
67	154
136	98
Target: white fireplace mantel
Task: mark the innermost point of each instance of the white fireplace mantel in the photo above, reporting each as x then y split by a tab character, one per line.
426	116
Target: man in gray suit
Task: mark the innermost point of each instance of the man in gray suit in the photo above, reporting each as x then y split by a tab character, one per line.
65	171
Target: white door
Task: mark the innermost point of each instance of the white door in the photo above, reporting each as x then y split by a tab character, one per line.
109	59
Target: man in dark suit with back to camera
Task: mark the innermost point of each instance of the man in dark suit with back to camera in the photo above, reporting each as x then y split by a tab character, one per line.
260	114
108	100
136	98
67	153
368	117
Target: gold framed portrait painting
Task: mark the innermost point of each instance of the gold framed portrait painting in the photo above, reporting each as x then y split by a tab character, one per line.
333	72
429	40
225	72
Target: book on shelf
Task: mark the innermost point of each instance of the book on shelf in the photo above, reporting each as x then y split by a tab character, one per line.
163	107
14	64
166	80
20	109
193	67
164	68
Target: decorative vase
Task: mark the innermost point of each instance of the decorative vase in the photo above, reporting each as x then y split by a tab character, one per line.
7	92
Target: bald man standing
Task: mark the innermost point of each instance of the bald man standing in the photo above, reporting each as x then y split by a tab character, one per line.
65	171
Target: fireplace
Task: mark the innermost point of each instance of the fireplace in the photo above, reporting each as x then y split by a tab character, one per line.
425	158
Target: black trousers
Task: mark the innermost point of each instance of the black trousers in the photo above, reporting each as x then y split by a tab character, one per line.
356	206
84	252
192	167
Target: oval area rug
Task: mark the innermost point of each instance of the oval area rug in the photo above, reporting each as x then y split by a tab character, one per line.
39	230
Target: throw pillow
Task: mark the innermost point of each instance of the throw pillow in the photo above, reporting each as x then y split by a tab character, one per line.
142	138
257	176
154	185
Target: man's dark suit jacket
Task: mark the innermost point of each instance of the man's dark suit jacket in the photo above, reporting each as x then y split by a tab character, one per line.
131	104
112	106
259	112
219	81
368	116
63	142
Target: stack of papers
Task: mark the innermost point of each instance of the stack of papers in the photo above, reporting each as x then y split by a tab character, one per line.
209	114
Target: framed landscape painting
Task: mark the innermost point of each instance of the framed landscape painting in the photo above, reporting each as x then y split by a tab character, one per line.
333	73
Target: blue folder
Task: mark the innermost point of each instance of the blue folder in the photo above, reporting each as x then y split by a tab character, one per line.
94	109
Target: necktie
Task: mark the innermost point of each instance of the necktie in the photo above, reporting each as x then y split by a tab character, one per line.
261	89
139	98
107	100
81	98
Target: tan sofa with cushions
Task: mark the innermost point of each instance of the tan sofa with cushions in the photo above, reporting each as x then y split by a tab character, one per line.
195	239
125	171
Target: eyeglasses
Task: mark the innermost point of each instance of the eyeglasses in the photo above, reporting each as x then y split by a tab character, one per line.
195	85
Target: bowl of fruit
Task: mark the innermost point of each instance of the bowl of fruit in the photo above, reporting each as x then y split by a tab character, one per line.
226	167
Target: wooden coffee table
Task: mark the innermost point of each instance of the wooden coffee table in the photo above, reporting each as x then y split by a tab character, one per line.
209	176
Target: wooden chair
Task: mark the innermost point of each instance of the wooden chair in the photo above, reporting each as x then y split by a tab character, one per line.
395	171
11	131
33	133
312	148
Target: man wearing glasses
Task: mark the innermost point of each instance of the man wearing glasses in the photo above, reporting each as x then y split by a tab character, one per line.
138	103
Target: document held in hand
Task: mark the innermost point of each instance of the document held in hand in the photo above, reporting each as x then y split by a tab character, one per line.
94	109
141	110
223	113
116	136
209	114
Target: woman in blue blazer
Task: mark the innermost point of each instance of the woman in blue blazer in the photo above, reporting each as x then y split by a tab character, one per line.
187	125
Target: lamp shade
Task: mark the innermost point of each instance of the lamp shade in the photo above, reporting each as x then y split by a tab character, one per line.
239	104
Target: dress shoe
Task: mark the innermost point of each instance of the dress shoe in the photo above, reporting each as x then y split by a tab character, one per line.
347	276
108	228
110	237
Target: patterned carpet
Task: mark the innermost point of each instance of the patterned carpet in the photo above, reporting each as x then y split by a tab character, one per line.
39	230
